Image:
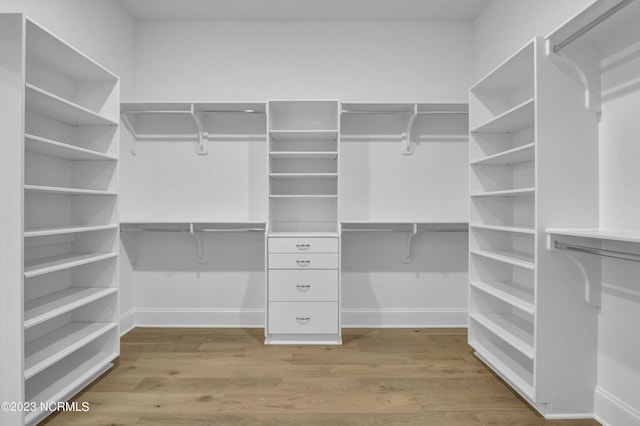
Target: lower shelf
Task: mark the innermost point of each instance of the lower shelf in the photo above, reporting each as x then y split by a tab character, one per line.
71	375
514	331
505	366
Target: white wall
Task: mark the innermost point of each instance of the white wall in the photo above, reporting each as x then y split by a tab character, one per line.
502	28
350	61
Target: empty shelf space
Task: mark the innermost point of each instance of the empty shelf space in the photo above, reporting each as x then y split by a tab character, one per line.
506	228
515	331
47	307
49	105
76	372
52	347
303	175
511	257
51	148
506	193
67	191
517	118
302	155
284	135
515	294
510	370
59	230
58	263
598	234
521	154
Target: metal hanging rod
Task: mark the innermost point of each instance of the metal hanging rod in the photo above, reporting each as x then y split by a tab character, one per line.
580	32
229	111
195	230
598	251
394	112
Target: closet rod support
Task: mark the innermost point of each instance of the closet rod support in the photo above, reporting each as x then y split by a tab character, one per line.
201	242
203	136
408	258
408	140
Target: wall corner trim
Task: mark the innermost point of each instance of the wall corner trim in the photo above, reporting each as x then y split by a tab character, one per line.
611	410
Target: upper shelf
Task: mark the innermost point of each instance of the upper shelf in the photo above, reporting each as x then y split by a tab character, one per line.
52	106
53	53
599	21
510	73
517	118
403	225
190	227
599	234
304	135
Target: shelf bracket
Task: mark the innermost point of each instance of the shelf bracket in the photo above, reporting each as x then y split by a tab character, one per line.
584	62
408	258
130	244
407	136
201	243
592	289
203	135
131	130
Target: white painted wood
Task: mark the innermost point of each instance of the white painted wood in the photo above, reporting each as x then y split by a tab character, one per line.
304	245
520	154
512	257
47	104
303	286
303	261
303	318
61	230
505	193
55	304
517	118
514	229
598	234
45	351
66	191
520	296
513	330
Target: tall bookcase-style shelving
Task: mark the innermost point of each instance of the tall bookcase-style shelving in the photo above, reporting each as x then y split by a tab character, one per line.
303	237
66	293
527	172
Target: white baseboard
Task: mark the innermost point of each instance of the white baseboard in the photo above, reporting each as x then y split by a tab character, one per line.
610	410
351	318
127	321
404	318
167	317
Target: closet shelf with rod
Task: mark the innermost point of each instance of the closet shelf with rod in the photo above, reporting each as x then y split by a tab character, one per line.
410	110
411	228
153	121
196	229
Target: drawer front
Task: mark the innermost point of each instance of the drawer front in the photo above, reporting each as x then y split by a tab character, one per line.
303	245
303	286
303	261
303	317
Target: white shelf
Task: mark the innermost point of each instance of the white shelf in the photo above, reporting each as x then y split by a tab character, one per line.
47	307
517	118
67	191
51	148
45	351
303	175
60	230
529	230
599	234
310	234
521	154
512	257
509	73
510	370
514	331
303	196
515	294
78	371
291	135
49	105
303	155
506	193
59	263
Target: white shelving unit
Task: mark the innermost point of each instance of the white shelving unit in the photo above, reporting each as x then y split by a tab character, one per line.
303	244
525	175
69	284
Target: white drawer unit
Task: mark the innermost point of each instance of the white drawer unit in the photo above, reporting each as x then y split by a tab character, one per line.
303	245
303	261
303	286
303	318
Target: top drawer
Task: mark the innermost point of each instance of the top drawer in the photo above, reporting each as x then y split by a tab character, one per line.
308	245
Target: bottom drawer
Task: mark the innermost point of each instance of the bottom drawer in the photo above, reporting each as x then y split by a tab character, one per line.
303	318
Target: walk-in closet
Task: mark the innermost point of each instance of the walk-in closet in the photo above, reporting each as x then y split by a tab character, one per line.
343	212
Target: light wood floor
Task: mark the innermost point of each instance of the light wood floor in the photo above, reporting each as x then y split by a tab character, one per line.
228	377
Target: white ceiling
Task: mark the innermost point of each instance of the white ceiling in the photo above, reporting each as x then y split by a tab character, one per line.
361	10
